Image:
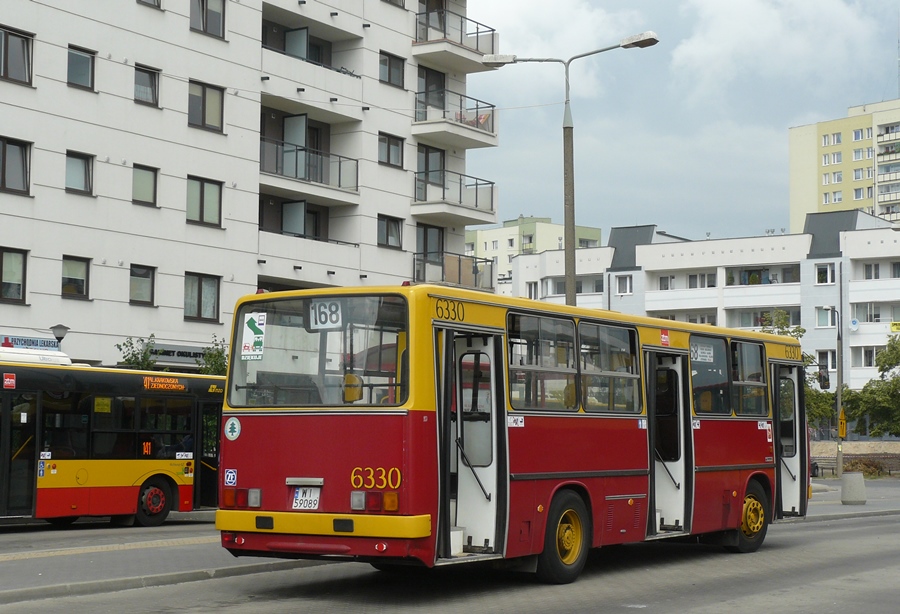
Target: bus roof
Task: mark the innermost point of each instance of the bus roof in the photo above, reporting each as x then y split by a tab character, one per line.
44	357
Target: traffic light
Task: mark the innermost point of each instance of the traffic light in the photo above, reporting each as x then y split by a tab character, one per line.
824	382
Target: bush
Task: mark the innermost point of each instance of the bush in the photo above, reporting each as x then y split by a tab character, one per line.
870	468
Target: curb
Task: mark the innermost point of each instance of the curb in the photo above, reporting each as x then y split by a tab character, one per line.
121	584
840	516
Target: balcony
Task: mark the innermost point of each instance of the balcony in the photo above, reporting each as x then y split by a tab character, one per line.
452	42
456	269
329	179
447	198
446	119
888	137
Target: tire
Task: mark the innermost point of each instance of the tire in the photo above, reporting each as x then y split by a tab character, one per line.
154	503
62	522
754	520
567	540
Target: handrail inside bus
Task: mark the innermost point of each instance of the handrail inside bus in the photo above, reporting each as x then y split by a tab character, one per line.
462	451
671	477
22	447
790	473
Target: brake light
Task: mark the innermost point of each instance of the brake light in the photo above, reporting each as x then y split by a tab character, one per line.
242	496
373	501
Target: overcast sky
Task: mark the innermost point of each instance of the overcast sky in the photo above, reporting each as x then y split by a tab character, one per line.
691	134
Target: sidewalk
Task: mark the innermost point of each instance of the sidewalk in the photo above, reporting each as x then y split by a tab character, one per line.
882	498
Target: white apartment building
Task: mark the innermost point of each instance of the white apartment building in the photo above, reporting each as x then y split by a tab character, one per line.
839	279
161	158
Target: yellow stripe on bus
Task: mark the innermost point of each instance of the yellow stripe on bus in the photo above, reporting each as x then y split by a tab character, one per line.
102	473
303	523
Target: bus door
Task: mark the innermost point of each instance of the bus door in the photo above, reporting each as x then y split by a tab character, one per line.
670	440
206	455
791	438
473	454
18	431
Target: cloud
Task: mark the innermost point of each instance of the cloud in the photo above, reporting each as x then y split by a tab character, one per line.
800	43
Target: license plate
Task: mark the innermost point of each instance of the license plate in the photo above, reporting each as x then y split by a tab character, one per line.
306	498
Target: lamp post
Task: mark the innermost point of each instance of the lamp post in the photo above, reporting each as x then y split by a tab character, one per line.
839	459
59	331
638	41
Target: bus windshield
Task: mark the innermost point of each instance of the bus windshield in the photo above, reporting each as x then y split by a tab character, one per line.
322	350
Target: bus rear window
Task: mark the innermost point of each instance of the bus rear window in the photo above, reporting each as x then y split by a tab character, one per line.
315	351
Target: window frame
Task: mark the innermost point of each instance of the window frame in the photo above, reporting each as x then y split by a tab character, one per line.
154	73
203	18
386	144
155	173
385	223
201	204
4	165
151	3
629	282
86	293
88	161
92	57
387	66
151	271
829	274
23	272
28	40
201	277
204	124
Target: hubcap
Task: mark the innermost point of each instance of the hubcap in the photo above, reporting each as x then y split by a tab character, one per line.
569	537
154	500
754	516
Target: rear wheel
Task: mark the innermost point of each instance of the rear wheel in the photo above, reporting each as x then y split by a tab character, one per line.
154	503
566	540
754	520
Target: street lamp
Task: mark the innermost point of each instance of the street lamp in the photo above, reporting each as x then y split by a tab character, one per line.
839	459
59	331
638	41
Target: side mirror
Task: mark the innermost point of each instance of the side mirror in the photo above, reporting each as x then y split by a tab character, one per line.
824	382
352	388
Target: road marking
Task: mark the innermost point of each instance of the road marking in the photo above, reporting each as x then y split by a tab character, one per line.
164	543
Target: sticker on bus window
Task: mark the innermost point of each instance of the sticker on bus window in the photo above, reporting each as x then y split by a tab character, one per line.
254	333
324	314
700	352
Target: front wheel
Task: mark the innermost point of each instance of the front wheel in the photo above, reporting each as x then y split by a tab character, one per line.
154	503
566	540
754	520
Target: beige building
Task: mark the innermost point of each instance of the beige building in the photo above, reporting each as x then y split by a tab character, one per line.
847	163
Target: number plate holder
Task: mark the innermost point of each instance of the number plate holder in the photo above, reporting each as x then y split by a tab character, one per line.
306	498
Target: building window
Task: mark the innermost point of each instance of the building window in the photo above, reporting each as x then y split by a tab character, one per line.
143	185
205	104
868	133
201	297
666	282
390	150
13	165
857	174
598	285
389	231
395	2
79	169
826	160
857	193
702	280
623	284
895	270
838	177
870	153
858	154
390	69
81	68
140	291
836	138
826	140
825	318
867	312
826	198
872	271
208	16
827	359
865	356
204	201
146	86
836	157
15	56
149	2
75	277
12	275
825	273
857	135
511	242
826	178
531	289
559	286
837	197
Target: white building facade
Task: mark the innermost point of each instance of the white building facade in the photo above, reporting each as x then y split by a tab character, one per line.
161	158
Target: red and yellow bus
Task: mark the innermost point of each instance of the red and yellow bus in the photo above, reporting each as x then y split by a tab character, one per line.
429	425
87	441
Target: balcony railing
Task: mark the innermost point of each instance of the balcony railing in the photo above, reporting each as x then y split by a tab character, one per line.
296	162
343	70
454	188
458	269
444	104
446	25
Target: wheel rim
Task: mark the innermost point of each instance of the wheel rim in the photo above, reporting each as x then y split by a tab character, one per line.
569	535
754	516
154	500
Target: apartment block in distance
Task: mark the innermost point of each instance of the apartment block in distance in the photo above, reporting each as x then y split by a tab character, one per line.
847	163
161	158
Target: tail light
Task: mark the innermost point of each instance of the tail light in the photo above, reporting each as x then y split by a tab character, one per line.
374	501
242	497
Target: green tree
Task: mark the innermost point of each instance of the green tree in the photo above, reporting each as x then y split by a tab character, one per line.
138	353
215	358
819	403
877	405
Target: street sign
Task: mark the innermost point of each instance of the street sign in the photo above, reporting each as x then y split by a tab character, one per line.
842	425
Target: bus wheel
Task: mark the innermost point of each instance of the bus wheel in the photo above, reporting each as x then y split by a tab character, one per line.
566	540
61	522
154	503
754	520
